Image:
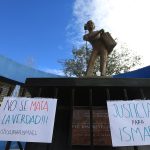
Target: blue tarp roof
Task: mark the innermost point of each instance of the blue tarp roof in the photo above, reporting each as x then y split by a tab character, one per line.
140	73
18	72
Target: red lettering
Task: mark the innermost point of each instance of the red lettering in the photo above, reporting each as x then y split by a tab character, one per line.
45	107
39	105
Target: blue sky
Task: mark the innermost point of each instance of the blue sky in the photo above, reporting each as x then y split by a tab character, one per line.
44	31
35	29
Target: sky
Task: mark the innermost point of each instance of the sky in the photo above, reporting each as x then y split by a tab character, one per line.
43	32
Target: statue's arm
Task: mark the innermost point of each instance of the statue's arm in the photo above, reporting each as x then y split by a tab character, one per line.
99	32
93	36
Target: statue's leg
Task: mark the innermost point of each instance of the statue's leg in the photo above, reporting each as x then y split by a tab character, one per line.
90	67
103	62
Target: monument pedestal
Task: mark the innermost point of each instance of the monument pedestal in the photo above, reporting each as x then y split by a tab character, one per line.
81	110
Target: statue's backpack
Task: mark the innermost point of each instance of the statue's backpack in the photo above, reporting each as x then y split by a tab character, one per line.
108	41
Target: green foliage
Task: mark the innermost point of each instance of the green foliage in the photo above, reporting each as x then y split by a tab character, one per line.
122	61
119	61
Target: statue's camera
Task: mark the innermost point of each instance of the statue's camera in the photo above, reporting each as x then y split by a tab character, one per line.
85	26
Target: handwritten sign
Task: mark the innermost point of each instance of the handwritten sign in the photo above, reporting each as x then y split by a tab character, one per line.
27	119
129	122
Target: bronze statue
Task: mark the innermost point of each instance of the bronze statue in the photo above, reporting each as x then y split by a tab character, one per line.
101	47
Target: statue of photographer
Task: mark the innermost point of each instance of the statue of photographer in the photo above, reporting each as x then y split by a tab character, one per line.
102	44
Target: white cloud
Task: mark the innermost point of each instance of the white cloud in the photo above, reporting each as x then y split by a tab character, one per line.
54	71
127	20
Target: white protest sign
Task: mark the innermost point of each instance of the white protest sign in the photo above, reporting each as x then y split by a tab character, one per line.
27	119
129	122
